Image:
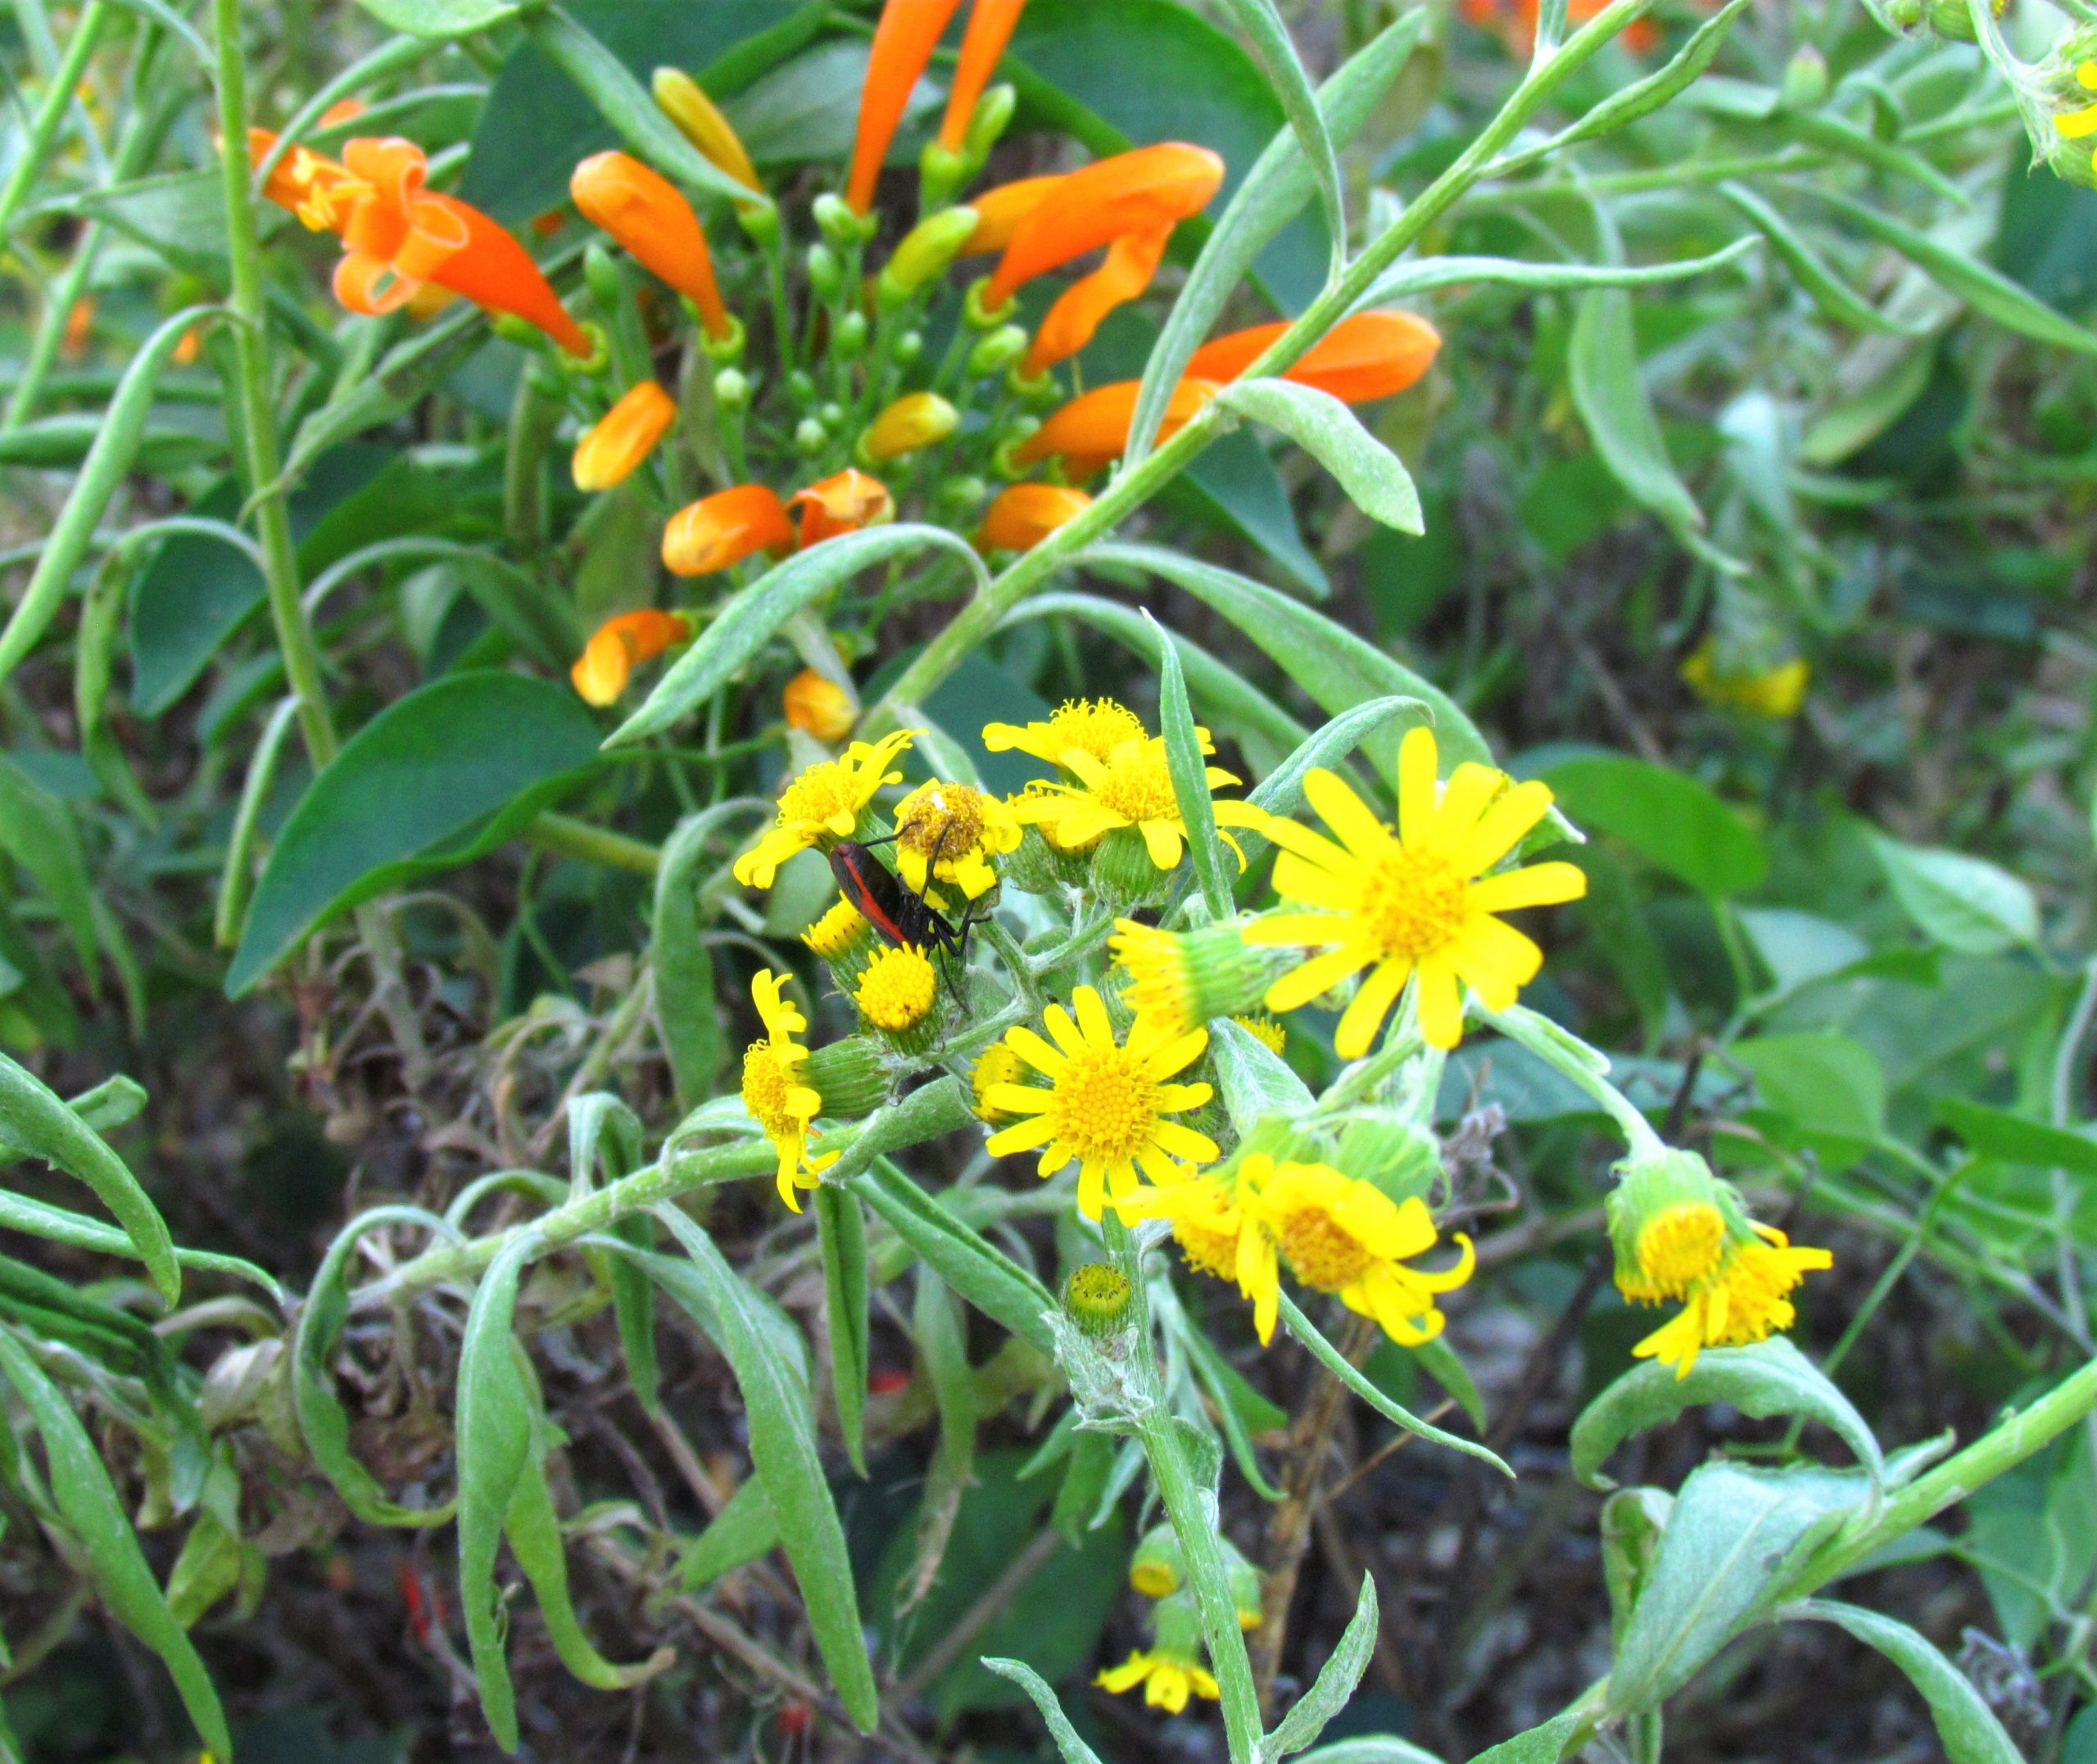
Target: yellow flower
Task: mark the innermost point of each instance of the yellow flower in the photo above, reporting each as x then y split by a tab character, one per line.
777	1100
1208	1224
819	705
1747	1300
1412	900
1265	1030
897	990
1168	1680
1347	1237
1092	725
2079	123
1775	692
836	931
996	1065
1132	787
823	805
966	826
1105	1102
1679	1246
611	452
1183	979
915	420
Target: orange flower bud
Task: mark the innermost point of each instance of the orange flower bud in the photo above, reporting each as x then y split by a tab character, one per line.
645	212
1094	428
990	25
842	504
80	328
999	211
620	646
725	528
915	420
903	42
821	705
340	111
1371	355
699	121
1068	326
1137	191
609	452
1023	515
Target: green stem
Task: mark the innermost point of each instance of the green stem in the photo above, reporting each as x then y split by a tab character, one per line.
566	837
1134	485
532	421
35	153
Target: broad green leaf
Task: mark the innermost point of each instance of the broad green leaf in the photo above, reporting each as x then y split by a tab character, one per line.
35	1120
1255	1082
1370	1748
1274	191
743	627
1965	1724
744	1530
1336	1362
1545	1744
1232	482
180	216
37	831
1829	292
1333	1685
442	18
436	779
405	376
966	1260
1189	772
1072	1749
1732	1531
1770	1378
2017	1139
841	1229
1374	478
85	1498
1988	291
1633	1521
1668	817
807	108
495	1422
322	1419
1964	903
783	1448
1826	1087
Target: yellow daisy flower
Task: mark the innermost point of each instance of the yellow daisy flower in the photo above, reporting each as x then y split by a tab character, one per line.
823	805
966	826
2080	123
1347	1237
1130	787
996	1065
1105	1103
1168	1680
1412	900
1747	1300
1090	725
1208	1224
777	1100
1775	692
1676	1249
896	991
837	930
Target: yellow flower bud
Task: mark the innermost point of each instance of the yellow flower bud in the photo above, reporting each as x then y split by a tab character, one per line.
821	705
700	122
915	420
611	452
925	253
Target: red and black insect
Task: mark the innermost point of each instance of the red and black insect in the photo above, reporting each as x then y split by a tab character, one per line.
886	903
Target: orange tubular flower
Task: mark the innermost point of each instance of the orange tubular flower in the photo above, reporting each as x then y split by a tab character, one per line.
903	42
1131	261
1139	191
1024	514
843	504
725	528
1094	428
314	188
609	452
643	210
989	29
620	646
1371	355
999	211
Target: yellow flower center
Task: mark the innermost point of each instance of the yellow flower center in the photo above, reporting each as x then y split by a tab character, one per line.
1206	1247
1093	725
1413	902
1681	1245
947	818
1321	1250
996	1065
1159	984
1138	788
1265	1030
1106	1106
1757	1282
1153	1579
835	930
825	789
766	1077
897	989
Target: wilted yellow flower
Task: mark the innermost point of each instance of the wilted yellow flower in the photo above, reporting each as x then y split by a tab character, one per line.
1184	979
823	805
995	1065
1265	1030
837	930
773	1093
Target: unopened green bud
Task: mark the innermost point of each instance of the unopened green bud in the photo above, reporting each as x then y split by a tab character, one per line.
909	347
941	170
924	254
848	337
760	225
826	274
830	415
1805	79
961	492
1158	1569
1096	1298
980	317
1124	871
601	272
801	387
992	116
851	1076
810	437
731	390
837	222
996	352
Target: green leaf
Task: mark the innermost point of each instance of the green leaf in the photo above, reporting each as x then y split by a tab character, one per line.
1370	1748
1633	1521
1333	1685
1336	1362
495	1439
1255	1083
2016	1138
841	1228
1442	1364
1964	1722
1429	273
436	779
1770	1378
809	108
1240	1410
683	965
749	622
1668	817
783	1448
62	443
441	18
1374	479
966	1260
81	1489
738	1535
603	1130
37	831
405	376
1276	55
34	1119
1964	903
1540	1745
1233	484
1072	1749
1189	772
1825	1088
1732	1532
179	216
1829	292
1274	191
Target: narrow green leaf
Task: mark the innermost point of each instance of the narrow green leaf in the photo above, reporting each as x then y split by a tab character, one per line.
1829	292
441	19
1333	1685
1838	135
1276	55
680	963
749	622
2017	1139
1967	1726
1967	904
1770	1378
38	832
841	1228
739	1534
1429	273
1374	479
1441	1362
1229	1391
1189	772
1072	1749
34	1118
783	1448
81	1487
1336	1362
1544	1744
603	1130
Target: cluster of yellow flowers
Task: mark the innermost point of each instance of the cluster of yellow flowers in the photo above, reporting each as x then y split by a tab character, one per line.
1171	1669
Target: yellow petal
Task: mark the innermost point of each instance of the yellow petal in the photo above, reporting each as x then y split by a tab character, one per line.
1441	1008
1346	813
1539	885
1418	763
1500	828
